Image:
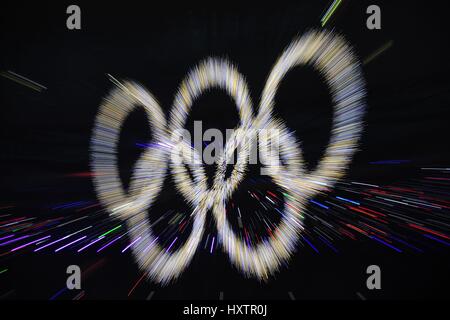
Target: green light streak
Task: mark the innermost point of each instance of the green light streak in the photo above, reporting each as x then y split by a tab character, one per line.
288	196
330	12
112	230
3	271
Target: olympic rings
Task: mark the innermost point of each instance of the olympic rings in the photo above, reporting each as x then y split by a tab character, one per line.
328	54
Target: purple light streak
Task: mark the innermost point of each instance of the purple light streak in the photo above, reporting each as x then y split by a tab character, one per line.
109	243
90	244
171	244
64	246
27	244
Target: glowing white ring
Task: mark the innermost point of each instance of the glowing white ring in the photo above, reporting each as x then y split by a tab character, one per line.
333	59
145	183
328	54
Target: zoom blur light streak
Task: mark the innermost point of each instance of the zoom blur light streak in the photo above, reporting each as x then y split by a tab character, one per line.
329	54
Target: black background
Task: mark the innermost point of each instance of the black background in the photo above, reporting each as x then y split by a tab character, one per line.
45	136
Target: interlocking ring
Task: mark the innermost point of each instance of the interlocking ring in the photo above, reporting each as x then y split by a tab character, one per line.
328	54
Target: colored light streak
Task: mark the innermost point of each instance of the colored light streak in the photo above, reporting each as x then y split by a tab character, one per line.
59	240
429	231
90	244
7	237
109	243
110	231
65	246
310	244
436	239
212	245
385	243
319	204
347	200
137	283
57	294
378	52
330	12
14	240
173	242
27	244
